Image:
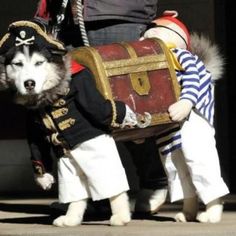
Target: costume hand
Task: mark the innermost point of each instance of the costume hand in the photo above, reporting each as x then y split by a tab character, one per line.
45	181
180	110
130	119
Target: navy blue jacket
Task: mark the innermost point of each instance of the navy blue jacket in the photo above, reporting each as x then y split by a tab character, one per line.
77	117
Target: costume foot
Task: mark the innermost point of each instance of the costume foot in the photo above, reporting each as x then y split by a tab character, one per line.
120	219
180	217
64	221
184	217
213	213
150	200
157	199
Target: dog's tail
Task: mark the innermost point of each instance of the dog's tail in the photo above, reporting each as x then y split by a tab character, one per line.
209	53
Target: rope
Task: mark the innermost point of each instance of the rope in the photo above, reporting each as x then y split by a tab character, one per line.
77	9
79	19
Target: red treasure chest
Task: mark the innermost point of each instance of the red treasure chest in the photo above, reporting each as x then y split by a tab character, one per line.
139	73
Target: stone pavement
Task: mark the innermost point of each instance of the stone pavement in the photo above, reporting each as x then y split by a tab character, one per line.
28	217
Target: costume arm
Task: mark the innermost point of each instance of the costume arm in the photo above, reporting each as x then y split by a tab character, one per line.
190	80
39	147
190	86
93	104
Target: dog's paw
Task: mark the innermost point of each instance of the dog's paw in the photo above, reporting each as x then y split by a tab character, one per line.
120	219
205	217
64	221
213	213
180	217
184	217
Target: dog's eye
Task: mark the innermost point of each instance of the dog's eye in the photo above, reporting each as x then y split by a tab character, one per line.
19	64
39	63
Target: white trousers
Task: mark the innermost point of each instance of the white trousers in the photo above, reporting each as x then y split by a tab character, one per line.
93	169
195	169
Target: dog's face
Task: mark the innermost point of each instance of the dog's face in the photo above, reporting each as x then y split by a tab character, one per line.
32	72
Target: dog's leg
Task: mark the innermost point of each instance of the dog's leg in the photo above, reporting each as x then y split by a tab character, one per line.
150	200
74	214
190	209
213	213
120	209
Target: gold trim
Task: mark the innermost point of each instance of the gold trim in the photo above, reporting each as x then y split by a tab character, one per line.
48	122
114	115
89	57
55	140
59	112
65	124
59	103
173	78
139	78
140	83
4	38
133	65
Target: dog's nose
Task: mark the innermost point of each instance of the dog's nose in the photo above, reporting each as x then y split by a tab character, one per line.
29	84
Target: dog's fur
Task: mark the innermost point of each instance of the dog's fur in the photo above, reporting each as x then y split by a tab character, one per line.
38	78
50	73
209	53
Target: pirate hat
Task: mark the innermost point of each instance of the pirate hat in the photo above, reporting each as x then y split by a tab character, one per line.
29	33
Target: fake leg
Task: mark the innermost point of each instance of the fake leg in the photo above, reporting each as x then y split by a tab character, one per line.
74	214
189	212
181	186
120	210
201	157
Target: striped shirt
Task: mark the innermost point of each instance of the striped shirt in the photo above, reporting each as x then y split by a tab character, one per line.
197	86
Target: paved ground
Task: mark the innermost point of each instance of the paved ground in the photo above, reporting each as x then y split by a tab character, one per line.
34	216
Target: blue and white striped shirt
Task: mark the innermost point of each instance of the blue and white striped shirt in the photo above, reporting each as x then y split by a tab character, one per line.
197	86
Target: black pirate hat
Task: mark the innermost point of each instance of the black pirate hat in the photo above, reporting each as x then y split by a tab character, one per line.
29	33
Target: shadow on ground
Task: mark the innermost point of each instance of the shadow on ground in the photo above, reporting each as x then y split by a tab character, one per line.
94	212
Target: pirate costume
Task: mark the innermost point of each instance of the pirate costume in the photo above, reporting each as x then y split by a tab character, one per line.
76	125
189	148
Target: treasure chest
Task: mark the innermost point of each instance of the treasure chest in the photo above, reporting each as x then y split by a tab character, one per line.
139	73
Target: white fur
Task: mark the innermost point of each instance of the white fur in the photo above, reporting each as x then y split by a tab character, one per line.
120	210
33	67
213	212
74	214
50	78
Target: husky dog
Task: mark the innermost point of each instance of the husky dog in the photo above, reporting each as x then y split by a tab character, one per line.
67	112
